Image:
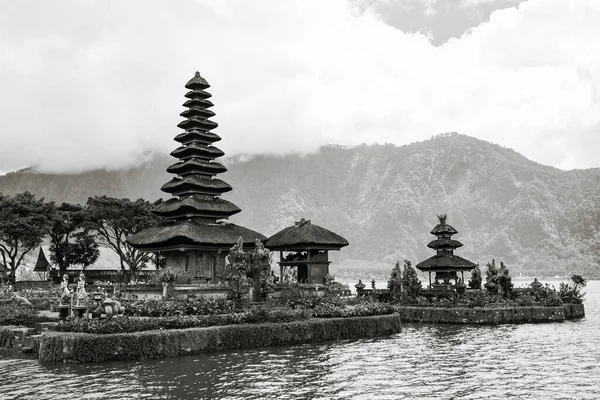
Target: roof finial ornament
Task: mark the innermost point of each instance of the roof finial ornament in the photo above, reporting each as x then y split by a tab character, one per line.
197	74
302	222
442	218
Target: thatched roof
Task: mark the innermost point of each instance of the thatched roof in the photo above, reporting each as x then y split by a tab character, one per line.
445	262
197	149
197	112
42	264
197	94
198	103
174	235
194	184
197	82
196	165
203	137
442	229
444	244
108	260
305	235
199	123
192	206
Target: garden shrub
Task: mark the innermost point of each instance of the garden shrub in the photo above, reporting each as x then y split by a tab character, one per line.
410	281
20	315
160	308
475	281
572	294
491	277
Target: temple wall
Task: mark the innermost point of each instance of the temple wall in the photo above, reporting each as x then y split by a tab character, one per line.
197	264
75	347
490	316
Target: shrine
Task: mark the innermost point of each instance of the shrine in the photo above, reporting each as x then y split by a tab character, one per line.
445	264
303	252
193	239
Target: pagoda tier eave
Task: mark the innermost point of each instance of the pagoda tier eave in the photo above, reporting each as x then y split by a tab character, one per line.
197	94
202	103
194	165
197	123
194	149
444	244
192	185
192	206
197	113
189	234
199	136
445	263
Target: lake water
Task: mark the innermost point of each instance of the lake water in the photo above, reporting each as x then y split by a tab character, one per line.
543	361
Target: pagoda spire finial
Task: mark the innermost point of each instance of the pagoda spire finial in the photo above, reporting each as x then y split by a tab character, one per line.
442	218
197	73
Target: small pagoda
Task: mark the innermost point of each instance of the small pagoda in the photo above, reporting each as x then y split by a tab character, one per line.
193	239
445	263
303	252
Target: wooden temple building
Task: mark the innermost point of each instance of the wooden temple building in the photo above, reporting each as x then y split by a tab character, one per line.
303	251
194	239
445	264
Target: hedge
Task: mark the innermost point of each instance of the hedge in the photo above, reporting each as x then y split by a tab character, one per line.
82	347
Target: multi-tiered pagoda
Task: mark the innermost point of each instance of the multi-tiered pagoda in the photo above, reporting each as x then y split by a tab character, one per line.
445	263
193	239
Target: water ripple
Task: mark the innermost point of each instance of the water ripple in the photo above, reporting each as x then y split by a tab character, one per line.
545	361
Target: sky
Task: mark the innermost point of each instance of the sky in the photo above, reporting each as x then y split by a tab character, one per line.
99	84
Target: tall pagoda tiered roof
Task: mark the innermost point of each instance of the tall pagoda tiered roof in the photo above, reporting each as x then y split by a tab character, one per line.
193	214
444	245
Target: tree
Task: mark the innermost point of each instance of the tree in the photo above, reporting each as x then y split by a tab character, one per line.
395	282
249	266
70	239
410	281
114	220
475	281
504	280
24	220
491	277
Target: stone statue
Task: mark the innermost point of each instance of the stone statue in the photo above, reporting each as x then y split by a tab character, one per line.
81	294
65	294
103	303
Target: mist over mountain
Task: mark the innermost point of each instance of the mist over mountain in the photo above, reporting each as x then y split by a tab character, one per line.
384	199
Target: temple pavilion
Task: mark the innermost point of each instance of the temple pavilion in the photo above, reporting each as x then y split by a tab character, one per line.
303	251
445	264
194	238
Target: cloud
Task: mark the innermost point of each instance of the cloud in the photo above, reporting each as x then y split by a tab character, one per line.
100	83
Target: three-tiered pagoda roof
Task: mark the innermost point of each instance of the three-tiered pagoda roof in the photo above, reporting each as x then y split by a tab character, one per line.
444	245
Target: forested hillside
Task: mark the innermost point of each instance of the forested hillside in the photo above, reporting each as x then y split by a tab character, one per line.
384	199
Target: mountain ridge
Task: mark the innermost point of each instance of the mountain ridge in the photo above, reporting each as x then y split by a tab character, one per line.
384	199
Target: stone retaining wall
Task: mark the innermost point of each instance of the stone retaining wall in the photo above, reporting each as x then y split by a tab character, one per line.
81	347
491	316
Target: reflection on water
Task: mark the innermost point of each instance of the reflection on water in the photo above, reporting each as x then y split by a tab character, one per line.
545	361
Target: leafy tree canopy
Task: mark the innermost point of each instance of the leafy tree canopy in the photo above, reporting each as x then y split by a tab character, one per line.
24	220
70	239
115	219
